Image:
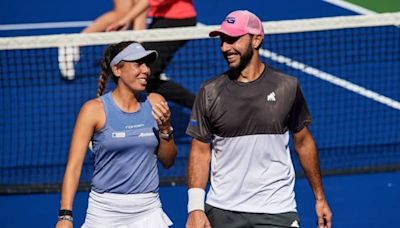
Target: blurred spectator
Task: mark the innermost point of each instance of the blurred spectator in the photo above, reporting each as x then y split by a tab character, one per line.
164	14
68	56
121	8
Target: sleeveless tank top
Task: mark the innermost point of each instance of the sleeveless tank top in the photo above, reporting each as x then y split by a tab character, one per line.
124	150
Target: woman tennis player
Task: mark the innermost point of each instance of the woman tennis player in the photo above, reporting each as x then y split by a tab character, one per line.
130	130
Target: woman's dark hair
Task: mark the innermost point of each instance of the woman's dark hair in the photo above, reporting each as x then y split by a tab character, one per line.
106	69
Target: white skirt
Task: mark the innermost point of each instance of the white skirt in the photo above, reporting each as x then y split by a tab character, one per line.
107	210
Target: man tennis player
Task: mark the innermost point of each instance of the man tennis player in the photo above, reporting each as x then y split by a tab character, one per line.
244	117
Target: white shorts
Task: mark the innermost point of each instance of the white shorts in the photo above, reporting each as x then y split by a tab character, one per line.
125	211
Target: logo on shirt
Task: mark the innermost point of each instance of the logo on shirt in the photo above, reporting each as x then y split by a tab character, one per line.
271	97
295	223
133	126
146	134
118	135
193	123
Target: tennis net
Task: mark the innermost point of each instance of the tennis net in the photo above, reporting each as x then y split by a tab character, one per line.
349	69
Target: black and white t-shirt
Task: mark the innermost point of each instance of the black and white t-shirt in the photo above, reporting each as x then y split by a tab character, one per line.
248	126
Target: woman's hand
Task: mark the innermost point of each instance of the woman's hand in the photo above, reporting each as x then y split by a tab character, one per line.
64	224
162	115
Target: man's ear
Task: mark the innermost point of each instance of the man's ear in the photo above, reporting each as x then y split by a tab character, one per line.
257	41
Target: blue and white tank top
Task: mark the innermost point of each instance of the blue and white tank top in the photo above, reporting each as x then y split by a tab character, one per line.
125	159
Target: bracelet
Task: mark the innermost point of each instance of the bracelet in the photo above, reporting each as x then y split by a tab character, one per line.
167	135
66	218
65	212
196	199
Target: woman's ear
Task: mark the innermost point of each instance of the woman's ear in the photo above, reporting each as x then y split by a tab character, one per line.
116	70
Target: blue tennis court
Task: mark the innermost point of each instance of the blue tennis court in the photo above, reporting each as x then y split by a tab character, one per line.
357	200
369	200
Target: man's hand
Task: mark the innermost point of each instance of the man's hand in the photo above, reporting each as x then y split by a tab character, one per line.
197	219
324	214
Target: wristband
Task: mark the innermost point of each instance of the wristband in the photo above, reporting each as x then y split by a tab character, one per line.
196	199
66	218
65	212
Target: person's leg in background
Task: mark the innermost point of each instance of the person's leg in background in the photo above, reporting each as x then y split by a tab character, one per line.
169	89
121	7
172	91
141	20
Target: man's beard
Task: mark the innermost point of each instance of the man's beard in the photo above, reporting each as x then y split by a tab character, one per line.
244	60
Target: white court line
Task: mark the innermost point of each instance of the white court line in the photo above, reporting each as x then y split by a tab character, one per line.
350	6
51	25
330	78
47	25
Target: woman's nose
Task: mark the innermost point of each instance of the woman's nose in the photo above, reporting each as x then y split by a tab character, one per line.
144	67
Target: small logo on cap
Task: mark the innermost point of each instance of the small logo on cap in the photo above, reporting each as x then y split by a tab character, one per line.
230	20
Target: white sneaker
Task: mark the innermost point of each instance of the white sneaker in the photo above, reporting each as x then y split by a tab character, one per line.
164	77
67	57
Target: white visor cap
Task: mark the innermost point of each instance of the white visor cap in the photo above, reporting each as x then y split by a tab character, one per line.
133	52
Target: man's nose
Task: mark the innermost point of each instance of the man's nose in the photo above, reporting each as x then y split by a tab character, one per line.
225	46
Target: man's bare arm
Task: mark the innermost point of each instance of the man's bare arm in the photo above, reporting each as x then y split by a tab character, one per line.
198	164
198	171
309	160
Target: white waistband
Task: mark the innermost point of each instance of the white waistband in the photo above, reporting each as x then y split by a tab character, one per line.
125	210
